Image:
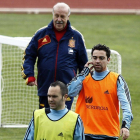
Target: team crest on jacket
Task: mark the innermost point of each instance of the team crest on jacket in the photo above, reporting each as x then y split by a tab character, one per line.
71	43
43	41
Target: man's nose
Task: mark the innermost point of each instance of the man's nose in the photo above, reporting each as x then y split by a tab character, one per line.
97	60
50	98
59	18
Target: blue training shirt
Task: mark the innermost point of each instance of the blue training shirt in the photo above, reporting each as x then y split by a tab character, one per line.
56	115
75	86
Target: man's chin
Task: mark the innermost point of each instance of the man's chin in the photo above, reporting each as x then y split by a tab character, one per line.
58	28
98	70
52	107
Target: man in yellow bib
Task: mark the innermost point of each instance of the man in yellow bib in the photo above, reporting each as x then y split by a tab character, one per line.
99	94
56	122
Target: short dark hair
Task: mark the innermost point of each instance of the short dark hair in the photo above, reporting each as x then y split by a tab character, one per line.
101	47
63	87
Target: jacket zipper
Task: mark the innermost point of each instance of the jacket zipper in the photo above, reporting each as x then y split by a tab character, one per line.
56	62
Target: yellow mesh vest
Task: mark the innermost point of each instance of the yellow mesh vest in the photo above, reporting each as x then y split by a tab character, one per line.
99	108
46	129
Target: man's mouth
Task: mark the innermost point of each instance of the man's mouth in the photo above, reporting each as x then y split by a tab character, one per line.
51	104
97	66
61	22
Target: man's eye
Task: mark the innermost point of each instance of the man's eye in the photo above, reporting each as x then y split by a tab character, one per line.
101	58
56	15
62	16
54	96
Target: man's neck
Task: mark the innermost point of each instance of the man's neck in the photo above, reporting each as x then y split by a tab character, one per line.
100	75
57	114
60	110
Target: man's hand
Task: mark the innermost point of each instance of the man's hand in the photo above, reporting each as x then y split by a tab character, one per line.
124	133
88	65
32	83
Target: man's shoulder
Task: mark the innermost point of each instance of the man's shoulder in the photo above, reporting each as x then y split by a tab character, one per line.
73	113
39	112
76	31
45	28
41	30
114	73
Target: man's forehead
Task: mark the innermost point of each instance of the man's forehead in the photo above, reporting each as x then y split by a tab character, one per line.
99	53
54	90
61	9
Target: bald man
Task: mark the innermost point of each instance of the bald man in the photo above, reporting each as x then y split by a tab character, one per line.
56	122
61	53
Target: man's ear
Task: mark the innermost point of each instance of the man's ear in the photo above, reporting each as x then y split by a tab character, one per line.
65	96
108	60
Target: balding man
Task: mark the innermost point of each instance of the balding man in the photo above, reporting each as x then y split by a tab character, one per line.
61	53
56	122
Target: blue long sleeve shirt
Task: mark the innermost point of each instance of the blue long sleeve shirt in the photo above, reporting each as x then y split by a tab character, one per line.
75	86
56	115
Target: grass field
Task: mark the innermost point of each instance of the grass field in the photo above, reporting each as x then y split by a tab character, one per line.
119	32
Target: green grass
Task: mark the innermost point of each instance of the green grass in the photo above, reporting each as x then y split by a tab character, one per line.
119	32
12	133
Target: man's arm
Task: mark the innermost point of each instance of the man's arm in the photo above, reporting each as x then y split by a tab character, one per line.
29	135
125	100
28	62
79	130
82	56
75	84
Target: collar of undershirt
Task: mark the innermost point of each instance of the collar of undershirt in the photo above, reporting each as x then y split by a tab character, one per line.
59	34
